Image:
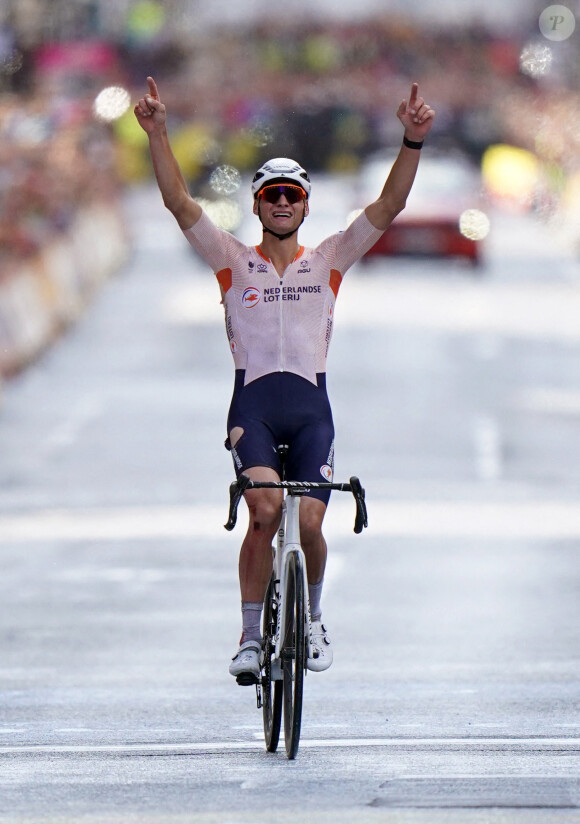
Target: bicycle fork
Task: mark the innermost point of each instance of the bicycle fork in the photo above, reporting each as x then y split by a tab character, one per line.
289	543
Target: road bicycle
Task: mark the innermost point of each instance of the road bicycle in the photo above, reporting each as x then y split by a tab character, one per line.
286	624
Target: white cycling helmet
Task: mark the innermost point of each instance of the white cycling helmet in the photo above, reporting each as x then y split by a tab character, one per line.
280	170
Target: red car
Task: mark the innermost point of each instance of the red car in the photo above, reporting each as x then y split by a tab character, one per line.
444	190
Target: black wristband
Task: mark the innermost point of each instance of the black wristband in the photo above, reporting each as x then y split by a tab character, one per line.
412	144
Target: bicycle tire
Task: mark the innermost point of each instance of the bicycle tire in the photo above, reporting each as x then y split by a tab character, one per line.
271	690
293	655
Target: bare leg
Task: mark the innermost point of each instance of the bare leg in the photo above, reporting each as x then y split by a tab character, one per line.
312	513
255	565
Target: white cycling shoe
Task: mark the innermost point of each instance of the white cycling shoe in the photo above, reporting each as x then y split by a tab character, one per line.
245	666
321	648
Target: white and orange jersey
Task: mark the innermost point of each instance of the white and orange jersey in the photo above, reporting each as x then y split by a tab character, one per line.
280	323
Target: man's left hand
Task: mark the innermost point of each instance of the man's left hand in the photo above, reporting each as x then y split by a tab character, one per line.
415	115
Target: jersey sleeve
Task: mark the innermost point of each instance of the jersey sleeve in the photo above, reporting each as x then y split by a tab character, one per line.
216	246
345	248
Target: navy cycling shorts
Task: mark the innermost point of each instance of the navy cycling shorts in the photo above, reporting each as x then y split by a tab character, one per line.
283	408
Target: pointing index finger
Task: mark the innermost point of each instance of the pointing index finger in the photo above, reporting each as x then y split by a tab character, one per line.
414	95
153	88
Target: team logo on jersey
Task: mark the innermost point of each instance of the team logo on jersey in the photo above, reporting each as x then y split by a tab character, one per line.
326	472
262	267
304	268
251	297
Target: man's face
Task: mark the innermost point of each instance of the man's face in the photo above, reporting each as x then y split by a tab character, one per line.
281	207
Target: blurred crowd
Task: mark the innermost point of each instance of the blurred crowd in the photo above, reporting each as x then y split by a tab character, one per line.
50	167
328	93
323	93
55	157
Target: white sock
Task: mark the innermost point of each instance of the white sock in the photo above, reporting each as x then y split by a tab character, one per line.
314	595
251	616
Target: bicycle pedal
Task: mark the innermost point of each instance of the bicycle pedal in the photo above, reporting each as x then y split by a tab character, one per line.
246	679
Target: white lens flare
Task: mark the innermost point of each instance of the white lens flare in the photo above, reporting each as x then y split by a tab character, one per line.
225	180
111	103
11	63
31	131
260	134
225	213
474	224
536	60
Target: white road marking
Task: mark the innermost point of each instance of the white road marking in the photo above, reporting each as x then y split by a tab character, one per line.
189	748
542	519
541	311
549	401
488	724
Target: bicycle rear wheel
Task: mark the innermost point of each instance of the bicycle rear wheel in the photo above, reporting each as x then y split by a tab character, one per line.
293	654
271	690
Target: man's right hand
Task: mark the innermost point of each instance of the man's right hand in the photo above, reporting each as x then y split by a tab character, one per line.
150	111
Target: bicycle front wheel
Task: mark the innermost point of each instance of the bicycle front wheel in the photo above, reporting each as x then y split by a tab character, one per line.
271	690
293	654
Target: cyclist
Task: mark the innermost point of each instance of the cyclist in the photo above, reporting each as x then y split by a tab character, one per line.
279	307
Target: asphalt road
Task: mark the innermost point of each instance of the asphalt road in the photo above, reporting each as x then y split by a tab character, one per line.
455	692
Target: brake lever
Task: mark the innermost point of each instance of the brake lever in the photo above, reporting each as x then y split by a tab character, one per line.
237	489
361	518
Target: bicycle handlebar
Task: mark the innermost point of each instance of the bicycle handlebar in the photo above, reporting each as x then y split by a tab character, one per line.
237	489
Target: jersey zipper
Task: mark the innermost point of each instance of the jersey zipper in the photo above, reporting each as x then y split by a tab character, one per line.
281	353
281	359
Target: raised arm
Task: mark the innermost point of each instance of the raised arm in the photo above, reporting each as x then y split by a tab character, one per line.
150	113
417	118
